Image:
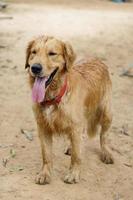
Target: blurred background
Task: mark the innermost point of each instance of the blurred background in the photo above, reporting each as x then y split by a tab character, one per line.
95	28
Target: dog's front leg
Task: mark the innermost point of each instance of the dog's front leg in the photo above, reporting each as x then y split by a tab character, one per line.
74	171
45	136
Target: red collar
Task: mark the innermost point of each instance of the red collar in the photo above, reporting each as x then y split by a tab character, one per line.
57	99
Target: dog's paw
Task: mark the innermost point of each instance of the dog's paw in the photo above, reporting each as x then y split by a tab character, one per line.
107	158
43	178
72	177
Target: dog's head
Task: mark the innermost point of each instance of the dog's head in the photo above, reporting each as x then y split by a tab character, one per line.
46	58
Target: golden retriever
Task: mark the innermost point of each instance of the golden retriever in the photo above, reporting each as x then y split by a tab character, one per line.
67	98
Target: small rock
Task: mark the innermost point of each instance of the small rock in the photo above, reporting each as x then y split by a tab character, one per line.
4	66
27	134
5	146
127	72
118	197
15	67
22	146
4	161
124	129
2	47
3	5
16	168
128	165
12	153
8	60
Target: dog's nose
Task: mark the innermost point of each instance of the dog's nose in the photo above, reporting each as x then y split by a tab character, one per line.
36	68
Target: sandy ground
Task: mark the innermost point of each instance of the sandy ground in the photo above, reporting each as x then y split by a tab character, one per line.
100	29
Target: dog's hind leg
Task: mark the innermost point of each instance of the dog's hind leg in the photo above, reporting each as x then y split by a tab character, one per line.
105	122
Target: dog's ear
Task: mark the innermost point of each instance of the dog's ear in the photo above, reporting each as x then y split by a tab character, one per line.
28	51
69	55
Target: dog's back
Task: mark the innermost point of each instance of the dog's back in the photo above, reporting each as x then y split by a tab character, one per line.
97	84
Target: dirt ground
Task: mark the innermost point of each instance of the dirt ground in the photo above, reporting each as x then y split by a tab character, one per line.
102	29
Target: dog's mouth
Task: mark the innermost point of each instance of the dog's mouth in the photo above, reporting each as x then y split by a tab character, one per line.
40	85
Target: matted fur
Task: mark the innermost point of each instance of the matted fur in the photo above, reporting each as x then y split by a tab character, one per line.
85	105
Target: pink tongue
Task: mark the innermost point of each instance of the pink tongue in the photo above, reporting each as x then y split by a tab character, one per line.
38	90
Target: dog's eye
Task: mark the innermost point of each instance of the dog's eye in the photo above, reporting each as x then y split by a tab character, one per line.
52	53
33	52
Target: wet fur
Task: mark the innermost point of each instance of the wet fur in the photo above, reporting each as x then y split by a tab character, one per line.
85	106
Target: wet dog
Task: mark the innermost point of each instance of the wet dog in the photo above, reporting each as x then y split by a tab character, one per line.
67	99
